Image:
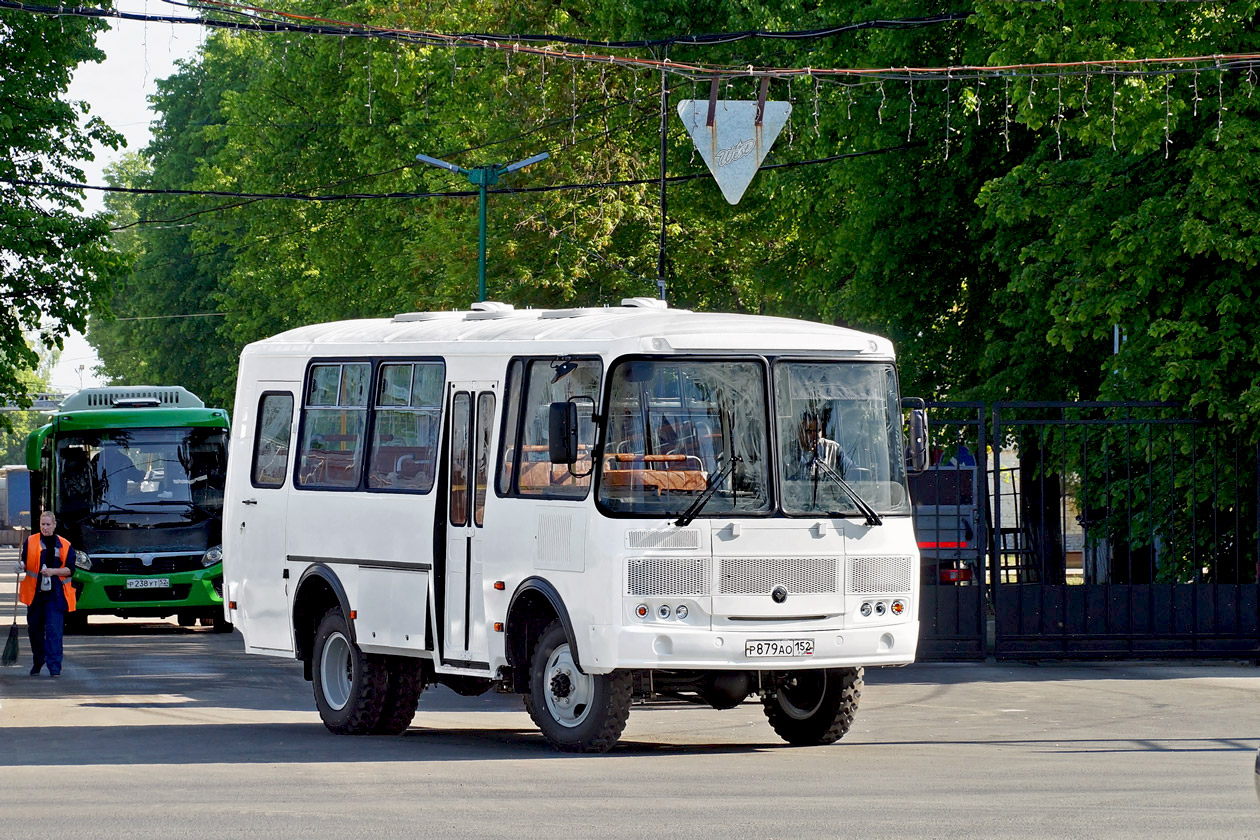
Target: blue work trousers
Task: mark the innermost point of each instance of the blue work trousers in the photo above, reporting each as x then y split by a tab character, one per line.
45	623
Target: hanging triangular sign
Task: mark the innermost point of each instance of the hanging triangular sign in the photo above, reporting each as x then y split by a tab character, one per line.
734	146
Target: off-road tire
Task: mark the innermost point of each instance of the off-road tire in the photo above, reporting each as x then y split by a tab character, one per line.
402	693
596	727
366	679
815	707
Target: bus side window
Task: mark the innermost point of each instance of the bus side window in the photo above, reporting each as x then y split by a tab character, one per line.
271	444
333	422
511	420
404	435
538	476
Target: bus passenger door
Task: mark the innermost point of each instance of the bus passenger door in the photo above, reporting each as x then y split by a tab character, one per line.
258	521
472	405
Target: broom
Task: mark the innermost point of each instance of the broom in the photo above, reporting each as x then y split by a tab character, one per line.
10	655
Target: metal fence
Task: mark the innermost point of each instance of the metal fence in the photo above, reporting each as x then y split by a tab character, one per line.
1110	529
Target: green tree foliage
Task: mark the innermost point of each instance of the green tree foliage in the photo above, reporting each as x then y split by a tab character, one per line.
19	424
997	243
55	262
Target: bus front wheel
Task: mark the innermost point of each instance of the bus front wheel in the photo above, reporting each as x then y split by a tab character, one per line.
350	685
814	707
576	712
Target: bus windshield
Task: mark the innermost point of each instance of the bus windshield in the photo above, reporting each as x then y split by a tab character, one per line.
149	477
678	428
839	424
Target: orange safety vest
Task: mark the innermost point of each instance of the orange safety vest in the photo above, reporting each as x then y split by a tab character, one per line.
34	551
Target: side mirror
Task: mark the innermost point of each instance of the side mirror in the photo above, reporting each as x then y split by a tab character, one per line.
919	441
562	433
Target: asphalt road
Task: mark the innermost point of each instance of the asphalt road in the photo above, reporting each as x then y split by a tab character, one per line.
157	731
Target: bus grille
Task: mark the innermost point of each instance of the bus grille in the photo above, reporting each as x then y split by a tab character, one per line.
668	576
760	575
124	565
880	575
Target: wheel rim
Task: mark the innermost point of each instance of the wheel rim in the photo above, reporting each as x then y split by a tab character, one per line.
802	695
336	670
568	691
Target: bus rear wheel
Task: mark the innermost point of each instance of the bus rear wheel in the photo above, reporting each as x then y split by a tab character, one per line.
405	682
815	707
581	713
350	685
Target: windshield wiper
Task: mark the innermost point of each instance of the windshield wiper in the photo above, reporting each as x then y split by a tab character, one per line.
714	482
817	465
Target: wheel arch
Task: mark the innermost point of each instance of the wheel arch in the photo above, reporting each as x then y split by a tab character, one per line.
318	590
534	605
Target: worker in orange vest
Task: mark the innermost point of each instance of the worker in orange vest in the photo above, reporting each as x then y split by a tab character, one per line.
48	561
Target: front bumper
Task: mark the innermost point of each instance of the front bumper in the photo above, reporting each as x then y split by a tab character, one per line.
612	648
188	591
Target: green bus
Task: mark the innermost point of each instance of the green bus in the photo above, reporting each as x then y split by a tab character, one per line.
135	478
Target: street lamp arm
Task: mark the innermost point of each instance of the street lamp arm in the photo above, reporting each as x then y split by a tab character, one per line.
529	161
441	164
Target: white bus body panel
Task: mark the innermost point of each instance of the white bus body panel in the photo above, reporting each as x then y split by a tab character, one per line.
380	545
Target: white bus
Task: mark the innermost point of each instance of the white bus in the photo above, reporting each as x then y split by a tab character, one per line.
580	506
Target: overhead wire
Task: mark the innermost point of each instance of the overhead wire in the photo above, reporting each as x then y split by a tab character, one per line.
673	179
285	22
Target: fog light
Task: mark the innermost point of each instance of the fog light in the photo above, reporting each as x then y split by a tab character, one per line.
880	607
681	612
898	607
641	611
663	611
866	608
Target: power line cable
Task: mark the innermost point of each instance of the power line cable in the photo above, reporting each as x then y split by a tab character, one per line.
674	179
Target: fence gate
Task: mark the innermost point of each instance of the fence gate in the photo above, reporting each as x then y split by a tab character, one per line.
1087	530
1121	529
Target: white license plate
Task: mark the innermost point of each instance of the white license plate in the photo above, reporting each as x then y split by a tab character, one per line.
148	583
779	647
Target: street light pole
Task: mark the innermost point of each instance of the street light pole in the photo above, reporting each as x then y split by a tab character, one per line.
483	177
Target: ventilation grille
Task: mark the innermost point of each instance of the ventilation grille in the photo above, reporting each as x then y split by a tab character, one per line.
668	576
170	397
674	538
880	575
760	575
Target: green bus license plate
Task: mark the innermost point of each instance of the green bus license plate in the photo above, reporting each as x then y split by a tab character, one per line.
148	583
779	647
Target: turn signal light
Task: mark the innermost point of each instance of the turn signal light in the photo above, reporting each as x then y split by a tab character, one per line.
231	605
641	611
498	627
898	607
354	614
498	585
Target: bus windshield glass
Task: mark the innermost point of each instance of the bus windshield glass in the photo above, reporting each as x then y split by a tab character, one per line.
677	429
839	423
142	476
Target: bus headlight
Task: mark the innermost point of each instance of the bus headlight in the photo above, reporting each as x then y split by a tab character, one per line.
83	560
212	556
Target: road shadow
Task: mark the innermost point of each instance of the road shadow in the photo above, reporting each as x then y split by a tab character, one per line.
303	743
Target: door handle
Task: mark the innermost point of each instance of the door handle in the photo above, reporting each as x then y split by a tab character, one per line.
249	501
